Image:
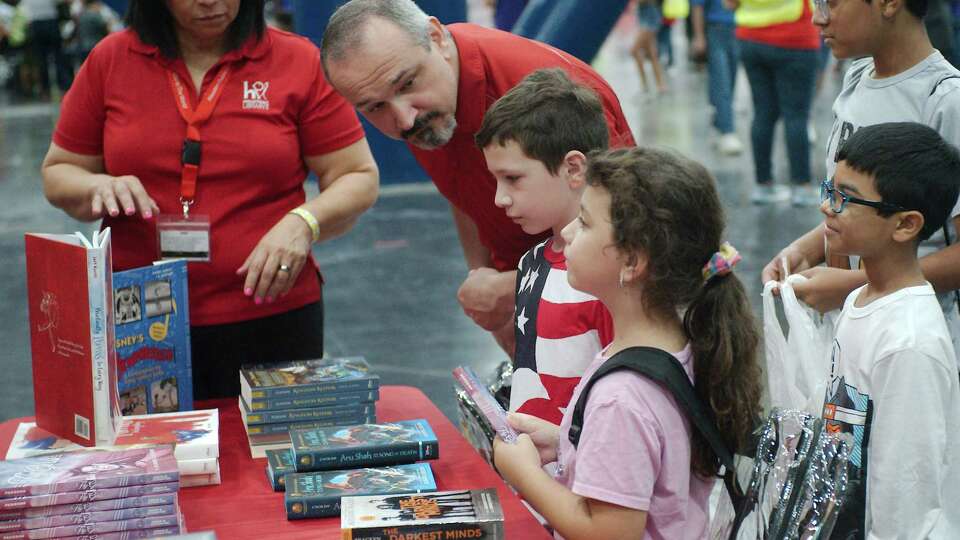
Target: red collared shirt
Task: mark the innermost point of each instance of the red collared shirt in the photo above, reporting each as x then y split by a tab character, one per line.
491	63
276	108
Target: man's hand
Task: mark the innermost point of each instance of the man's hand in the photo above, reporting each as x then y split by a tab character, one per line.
827	288
487	297
543	434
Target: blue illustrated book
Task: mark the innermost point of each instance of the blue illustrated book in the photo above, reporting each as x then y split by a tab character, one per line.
152	317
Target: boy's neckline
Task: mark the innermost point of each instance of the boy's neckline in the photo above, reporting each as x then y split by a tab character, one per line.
866	298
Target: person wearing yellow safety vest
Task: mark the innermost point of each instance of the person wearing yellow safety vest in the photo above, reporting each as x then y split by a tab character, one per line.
778	48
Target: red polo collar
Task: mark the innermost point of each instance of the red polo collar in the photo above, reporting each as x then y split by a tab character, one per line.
473	83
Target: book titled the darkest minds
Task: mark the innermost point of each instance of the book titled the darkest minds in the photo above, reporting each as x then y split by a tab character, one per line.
363	445
474	514
318	494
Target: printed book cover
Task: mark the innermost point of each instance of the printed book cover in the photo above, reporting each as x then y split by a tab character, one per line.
93	528
474	513
281	430
66	520
318	494
320	400
88	495
307	377
195	435
306	415
88	507
279	464
152	315
363	445
70	303
82	471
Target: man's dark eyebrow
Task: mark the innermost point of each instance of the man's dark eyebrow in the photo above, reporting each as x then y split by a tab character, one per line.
400	76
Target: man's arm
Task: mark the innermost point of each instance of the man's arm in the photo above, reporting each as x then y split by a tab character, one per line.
476	254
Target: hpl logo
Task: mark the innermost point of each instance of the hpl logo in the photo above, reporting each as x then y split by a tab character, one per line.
255	95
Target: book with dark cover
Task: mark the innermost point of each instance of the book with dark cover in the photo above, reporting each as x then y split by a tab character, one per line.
319	400
83	471
363	445
107	505
80	518
93	528
71	336
304	415
279	464
474	513
307	377
152	317
283	428
318	494
89	495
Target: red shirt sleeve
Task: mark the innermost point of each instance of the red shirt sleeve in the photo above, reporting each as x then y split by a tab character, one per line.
82	113
327	121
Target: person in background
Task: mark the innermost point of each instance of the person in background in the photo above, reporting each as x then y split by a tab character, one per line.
429	84
46	44
713	36
91	24
200	120
506	12
778	48
649	19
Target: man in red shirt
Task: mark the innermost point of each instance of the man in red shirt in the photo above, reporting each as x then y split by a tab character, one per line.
429	84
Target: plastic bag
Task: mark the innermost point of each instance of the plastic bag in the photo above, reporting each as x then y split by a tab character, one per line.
798	363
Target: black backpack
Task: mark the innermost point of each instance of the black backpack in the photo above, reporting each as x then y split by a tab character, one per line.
665	369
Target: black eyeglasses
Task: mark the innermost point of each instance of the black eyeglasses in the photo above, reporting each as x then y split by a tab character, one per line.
838	200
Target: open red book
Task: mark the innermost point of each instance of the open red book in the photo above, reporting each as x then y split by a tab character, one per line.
71	336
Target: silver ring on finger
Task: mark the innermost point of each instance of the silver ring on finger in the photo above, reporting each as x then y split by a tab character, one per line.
284	268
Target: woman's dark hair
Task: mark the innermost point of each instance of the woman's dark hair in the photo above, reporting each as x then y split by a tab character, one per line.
154	24
665	205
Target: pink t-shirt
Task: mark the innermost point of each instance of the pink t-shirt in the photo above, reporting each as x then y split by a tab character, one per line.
634	452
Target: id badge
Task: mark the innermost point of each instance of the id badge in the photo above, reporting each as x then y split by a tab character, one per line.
184	238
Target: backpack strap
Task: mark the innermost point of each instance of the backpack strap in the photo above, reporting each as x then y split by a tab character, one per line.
663	368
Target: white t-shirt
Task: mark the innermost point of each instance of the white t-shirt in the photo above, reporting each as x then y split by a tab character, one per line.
895	395
928	94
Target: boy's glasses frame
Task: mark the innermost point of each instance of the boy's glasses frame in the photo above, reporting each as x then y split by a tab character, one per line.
828	192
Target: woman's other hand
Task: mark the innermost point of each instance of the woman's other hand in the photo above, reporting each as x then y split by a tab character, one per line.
273	266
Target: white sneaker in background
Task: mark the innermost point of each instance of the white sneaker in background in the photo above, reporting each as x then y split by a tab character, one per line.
729	144
811	132
769	193
804	196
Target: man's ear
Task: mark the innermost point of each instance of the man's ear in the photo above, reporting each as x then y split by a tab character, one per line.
908	227
438	35
575	167
890	8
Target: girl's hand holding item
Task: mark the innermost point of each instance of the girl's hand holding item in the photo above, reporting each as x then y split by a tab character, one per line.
543	434
515	461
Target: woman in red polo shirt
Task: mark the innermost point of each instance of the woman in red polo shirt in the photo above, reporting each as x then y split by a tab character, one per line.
191	134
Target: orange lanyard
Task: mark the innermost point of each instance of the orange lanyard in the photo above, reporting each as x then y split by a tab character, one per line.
190	154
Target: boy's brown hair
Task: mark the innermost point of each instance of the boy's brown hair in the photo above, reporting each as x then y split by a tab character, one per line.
547	115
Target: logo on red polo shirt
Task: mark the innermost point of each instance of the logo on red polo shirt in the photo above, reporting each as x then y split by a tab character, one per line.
255	95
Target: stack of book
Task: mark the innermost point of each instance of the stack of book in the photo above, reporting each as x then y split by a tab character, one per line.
306	394
363	459
91	494
194	434
473	513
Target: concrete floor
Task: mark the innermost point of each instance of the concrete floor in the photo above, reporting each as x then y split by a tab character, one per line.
391	282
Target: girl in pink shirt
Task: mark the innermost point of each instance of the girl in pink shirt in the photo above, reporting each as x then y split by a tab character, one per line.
647	243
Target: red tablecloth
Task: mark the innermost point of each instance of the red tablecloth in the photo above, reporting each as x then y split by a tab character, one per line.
245	506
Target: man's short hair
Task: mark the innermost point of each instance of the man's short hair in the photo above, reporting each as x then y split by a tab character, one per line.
344	31
547	115
911	165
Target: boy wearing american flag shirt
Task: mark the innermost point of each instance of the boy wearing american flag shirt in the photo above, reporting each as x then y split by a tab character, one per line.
535	140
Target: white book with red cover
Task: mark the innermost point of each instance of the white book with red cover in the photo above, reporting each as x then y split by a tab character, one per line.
70	300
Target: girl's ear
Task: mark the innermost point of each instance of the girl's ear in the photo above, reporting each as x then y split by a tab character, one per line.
634	267
575	166
908	227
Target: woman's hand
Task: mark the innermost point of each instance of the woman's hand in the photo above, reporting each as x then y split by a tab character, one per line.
273	266
543	434
115	194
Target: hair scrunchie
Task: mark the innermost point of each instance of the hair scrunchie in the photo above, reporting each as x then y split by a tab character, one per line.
722	262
